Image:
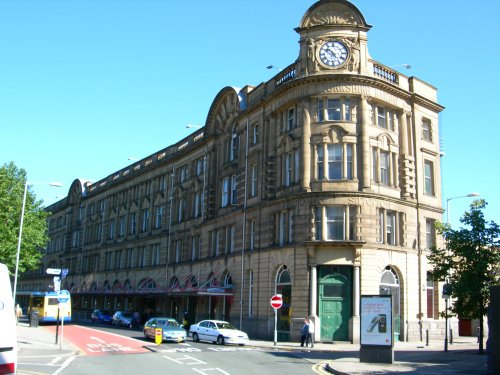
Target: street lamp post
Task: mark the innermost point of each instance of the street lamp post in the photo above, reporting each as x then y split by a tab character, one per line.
26	184
446	289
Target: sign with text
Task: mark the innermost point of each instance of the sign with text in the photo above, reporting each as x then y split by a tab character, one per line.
376	320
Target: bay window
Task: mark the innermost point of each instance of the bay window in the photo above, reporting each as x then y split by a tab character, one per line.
335	223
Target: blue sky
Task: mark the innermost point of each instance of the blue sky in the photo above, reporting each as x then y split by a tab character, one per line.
86	84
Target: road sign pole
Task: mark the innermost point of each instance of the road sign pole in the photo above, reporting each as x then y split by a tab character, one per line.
275	326
62	325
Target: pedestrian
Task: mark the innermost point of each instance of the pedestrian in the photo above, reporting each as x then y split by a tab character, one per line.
311	333
304	332
19	312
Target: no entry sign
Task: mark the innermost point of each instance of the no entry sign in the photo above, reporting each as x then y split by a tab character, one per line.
276	301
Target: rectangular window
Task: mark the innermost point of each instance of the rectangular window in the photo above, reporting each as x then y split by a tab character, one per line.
426	130
122	226
255	134
199	166
233	152
234	190
290	227
112	229
352	223
180	209
335	161
159	217
349	161
296	166
318	221
291	119
133	224
391	228
428	178
145	220
321	158
321	116
347	110
155	254
335	223
225	192
252	234
282	228
381	120
178	251
384	168
333	109
163	183
253	188
288	169
196	206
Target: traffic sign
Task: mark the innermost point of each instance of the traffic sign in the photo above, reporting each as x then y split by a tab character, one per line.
63	296
276	301
158	336
53	271
64	273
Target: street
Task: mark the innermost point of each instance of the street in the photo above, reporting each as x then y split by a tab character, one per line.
100	349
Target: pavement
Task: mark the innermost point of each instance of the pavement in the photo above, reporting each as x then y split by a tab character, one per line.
337	358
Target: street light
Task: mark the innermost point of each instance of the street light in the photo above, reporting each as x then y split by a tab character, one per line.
445	287
273	67
26	184
193	126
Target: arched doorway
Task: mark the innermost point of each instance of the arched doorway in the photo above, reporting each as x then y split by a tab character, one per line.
284	287
334	307
389	285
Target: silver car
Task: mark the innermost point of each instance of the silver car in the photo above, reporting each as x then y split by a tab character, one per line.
171	329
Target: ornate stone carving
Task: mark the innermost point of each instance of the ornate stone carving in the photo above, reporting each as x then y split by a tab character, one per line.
332	14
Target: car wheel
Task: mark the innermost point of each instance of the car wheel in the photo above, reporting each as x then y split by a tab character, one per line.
195	337
145	335
220	340
241	344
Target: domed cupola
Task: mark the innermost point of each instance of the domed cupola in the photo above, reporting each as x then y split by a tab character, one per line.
332	39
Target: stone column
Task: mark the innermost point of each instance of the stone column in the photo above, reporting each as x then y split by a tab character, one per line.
365	142
356	292
305	165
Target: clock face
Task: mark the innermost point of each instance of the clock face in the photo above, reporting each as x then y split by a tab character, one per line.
333	53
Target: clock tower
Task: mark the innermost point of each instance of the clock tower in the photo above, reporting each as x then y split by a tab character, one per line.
332	39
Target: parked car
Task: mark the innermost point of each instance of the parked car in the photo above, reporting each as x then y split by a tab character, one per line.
122	318
218	331
172	330
101	316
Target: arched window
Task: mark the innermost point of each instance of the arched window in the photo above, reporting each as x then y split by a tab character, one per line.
389	285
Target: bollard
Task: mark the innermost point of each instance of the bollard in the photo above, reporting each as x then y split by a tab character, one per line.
451	336
426	337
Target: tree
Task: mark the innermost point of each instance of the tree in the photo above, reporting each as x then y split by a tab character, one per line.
34	235
470	263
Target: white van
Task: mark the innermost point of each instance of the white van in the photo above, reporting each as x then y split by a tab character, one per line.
8	336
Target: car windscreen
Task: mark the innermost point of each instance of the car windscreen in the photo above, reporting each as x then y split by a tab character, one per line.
225	325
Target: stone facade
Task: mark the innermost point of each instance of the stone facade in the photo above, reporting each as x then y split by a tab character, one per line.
321	184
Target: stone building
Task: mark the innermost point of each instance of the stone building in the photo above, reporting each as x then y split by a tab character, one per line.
321	184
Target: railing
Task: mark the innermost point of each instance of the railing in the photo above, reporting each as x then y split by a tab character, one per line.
287	75
385	73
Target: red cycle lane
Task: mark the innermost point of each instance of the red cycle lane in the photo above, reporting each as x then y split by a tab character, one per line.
94	342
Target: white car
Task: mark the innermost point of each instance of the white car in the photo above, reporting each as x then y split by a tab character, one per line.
218	331
8	329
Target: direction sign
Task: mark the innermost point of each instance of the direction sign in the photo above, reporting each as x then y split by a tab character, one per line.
276	301
53	271
63	296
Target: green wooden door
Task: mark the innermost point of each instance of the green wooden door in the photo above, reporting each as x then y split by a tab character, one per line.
334	307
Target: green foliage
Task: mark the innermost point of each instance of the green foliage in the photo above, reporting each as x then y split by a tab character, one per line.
470	263
34	236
